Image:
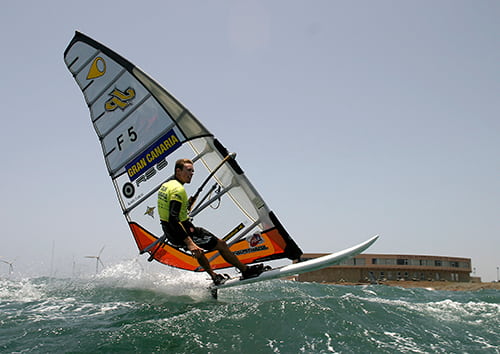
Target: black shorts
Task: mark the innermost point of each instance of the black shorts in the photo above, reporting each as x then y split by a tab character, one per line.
202	237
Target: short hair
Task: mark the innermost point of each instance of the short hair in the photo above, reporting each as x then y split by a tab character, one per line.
179	164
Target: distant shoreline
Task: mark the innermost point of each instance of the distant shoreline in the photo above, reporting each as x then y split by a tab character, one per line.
434	285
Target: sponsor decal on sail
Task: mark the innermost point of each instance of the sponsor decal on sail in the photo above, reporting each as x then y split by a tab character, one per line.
161	148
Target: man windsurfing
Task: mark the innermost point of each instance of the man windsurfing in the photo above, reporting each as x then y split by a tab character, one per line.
173	206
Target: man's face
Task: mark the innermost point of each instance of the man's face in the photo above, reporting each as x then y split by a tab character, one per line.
186	173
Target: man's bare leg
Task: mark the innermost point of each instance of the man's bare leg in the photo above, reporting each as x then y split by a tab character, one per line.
229	256
203	261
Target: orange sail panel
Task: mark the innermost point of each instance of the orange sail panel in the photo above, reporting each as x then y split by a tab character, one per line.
257	247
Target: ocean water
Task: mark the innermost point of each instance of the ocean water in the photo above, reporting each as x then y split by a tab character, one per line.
125	309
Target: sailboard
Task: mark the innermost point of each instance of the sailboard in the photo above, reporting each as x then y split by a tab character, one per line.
299	267
143	129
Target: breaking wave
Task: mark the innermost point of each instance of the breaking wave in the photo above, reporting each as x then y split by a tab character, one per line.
126	308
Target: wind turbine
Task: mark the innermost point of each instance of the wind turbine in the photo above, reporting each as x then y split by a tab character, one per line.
97	260
11	266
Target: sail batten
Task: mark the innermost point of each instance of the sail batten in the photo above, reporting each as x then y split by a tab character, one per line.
143	130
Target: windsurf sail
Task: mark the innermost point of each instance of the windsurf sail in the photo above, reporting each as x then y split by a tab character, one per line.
143	130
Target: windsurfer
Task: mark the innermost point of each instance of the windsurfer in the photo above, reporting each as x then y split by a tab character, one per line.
173	205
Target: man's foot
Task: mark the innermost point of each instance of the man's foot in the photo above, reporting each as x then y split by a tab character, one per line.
252	271
219	279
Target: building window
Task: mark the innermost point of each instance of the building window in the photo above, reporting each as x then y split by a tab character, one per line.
437	263
425	262
401	261
374	260
454	264
464	264
414	262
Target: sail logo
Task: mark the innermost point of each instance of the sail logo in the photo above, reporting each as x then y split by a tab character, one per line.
255	240
150	211
251	250
97	69
155	153
119	99
128	188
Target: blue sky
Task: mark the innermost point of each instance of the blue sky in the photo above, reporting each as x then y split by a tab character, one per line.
350	118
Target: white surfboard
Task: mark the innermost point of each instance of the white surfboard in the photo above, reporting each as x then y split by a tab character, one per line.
299	268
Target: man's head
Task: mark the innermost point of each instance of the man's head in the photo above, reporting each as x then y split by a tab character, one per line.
184	170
